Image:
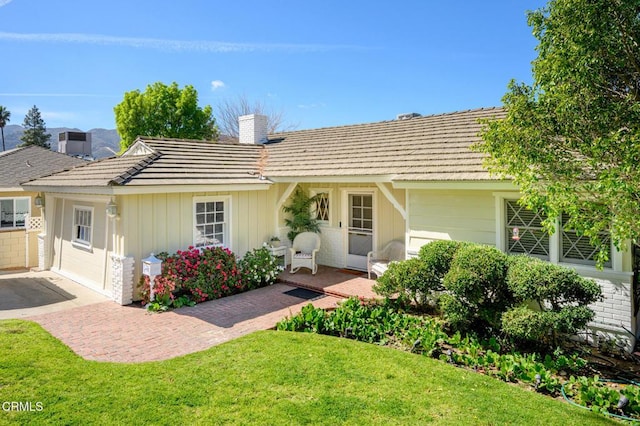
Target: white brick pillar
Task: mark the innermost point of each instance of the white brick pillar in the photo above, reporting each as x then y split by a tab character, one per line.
42	252
122	276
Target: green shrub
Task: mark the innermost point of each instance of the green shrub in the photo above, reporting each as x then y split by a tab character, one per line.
559	294
476	280
259	268
409	280
419	280
527	324
437	257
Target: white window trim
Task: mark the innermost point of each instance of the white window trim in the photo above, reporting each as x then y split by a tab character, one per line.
329	192
75	241
554	239
226	199
14	199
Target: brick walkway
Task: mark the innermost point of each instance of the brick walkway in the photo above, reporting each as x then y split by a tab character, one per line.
106	331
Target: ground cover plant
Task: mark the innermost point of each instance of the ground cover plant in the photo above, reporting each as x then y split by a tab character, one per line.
263	378
382	323
199	274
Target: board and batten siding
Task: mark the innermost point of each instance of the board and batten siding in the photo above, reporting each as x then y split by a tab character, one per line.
89	266
154	223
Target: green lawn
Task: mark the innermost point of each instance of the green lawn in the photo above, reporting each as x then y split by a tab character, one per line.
265	378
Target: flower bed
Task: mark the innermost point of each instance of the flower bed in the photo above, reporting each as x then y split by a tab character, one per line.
196	275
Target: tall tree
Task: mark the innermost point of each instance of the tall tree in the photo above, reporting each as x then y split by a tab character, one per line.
571	140
35	130
230	109
5	117
163	111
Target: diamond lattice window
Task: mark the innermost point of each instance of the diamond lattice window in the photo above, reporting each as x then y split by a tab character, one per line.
322	207
577	248
531	237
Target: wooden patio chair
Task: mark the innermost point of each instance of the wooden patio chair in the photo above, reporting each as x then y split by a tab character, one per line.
304	249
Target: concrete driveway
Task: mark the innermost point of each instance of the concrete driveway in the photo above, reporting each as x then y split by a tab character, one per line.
25	293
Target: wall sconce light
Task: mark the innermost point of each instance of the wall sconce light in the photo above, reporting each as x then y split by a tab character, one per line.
112	209
39	201
515	234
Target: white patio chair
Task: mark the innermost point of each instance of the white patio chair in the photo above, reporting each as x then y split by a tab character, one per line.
304	249
378	261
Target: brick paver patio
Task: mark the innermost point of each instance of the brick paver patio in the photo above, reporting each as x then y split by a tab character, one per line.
109	332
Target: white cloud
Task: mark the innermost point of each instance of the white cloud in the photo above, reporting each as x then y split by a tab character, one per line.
4	2
217	84
170	45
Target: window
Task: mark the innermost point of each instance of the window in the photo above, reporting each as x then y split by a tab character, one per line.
82	225
530	237
211	223
564	245
578	249
14	212
322	207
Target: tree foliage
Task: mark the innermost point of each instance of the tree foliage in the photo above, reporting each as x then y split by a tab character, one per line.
571	140
163	111
5	117
35	130
230	109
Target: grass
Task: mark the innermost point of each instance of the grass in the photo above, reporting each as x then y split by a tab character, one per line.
265	378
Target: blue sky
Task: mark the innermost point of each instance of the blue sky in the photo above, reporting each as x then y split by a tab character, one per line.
323	63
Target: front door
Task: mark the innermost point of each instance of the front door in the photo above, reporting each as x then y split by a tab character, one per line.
359	229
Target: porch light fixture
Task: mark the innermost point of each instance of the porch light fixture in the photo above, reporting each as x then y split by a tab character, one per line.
112	209
515	234
39	201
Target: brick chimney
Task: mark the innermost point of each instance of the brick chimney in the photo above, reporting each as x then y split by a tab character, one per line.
252	129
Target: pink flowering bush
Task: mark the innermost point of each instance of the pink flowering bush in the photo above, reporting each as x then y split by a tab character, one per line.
196	275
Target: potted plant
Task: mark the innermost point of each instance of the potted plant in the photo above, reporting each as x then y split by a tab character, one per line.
300	217
274	242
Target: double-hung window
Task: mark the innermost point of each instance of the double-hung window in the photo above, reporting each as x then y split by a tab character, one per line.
14	212
211	223
82	225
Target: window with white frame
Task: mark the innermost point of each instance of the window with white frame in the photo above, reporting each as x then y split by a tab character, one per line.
322	206
576	248
211	223
14	212
82	225
524	231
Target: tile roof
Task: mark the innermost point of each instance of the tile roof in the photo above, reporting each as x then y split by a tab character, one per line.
167	162
22	164
430	148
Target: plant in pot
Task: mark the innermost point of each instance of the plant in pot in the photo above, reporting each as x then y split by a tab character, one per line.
274	242
301	217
